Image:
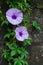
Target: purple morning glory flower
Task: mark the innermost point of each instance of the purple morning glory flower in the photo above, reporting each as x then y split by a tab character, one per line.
14	16
21	33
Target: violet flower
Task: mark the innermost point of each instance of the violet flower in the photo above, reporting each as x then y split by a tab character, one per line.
21	33
14	16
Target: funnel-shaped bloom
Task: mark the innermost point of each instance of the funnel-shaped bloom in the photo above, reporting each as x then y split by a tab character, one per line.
14	16
21	33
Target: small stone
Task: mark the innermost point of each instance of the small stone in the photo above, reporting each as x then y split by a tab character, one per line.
36	57
35	35
42	55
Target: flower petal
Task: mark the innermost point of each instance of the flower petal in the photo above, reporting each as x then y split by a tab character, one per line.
17	13
24	32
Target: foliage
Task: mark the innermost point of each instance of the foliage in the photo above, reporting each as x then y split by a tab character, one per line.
35	25
25	20
1	15
9	34
20	4
27	41
16	54
19	61
4	21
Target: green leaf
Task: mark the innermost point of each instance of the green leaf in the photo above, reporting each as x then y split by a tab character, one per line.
7	36
35	25
8	1
7	43
10	46
17	61
24	62
5	53
4	22
23	53
1	15
9	30
19	51
12	33
27	5
27	41
9	63
25	18
13	52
